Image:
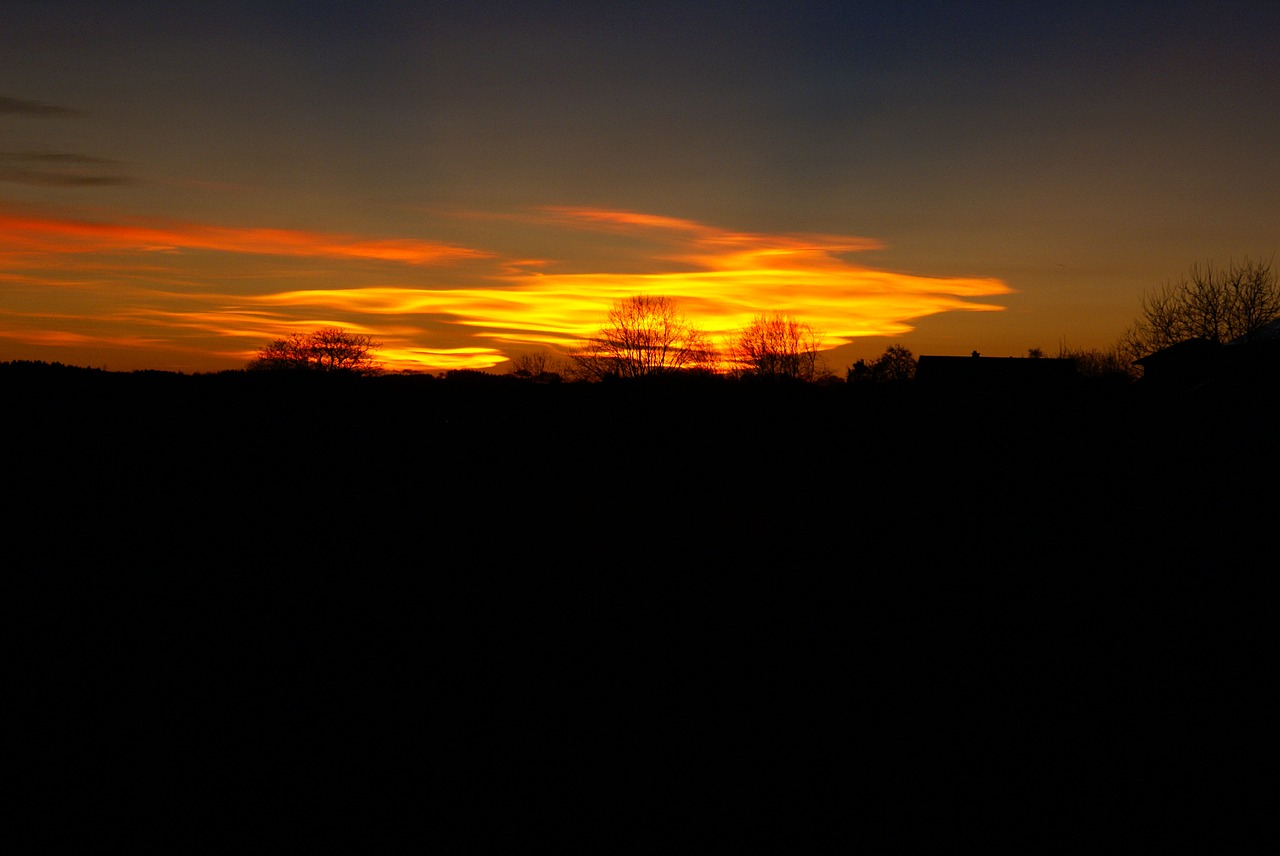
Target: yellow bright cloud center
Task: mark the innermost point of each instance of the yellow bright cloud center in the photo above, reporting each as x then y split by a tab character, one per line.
719	278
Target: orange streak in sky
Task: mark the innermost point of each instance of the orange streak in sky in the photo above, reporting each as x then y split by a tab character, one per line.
721	278
59	235
731	278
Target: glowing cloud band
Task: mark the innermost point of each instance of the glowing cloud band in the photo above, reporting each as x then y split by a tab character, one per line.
132	283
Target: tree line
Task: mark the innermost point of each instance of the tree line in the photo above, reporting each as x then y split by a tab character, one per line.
650	335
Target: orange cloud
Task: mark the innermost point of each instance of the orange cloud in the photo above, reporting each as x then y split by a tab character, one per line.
87	274
726	279
44	234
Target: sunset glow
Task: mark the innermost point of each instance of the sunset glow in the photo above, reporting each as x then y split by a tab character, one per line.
178	187
165	286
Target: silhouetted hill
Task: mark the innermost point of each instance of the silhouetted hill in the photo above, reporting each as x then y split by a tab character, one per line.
519	587
853	464
542	496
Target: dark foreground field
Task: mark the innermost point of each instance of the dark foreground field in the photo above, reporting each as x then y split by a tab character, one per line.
576	614
402	474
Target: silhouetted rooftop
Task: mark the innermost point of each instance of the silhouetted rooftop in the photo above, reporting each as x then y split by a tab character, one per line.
976	370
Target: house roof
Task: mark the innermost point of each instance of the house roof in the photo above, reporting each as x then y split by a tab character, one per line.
1265	333
1187	349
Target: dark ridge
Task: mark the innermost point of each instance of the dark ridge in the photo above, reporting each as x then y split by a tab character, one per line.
515	591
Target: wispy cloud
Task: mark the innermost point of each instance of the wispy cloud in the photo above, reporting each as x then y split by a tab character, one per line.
725	279
37	109
52	157
52	168
472	316
731	276
54	234
58	178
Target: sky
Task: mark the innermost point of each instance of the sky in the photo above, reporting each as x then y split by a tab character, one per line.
182	183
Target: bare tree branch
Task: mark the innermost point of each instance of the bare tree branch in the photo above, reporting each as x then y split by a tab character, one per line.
328	350
776	345
1217	304
642	336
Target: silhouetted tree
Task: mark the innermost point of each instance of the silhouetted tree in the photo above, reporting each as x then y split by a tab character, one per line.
1094	363
529	365
644	336
777	346
328	350
1216	304
895	364
537	366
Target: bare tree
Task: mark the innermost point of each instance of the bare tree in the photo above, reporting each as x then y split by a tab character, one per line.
328	350
644	336
529	365
1217	304
776	345
538	366
1096	363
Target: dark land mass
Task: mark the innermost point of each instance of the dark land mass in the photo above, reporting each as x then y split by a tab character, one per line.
639	599
377	463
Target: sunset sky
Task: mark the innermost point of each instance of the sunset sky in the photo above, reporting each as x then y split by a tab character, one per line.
181	183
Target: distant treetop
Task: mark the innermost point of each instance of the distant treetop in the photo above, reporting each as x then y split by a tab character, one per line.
328	350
